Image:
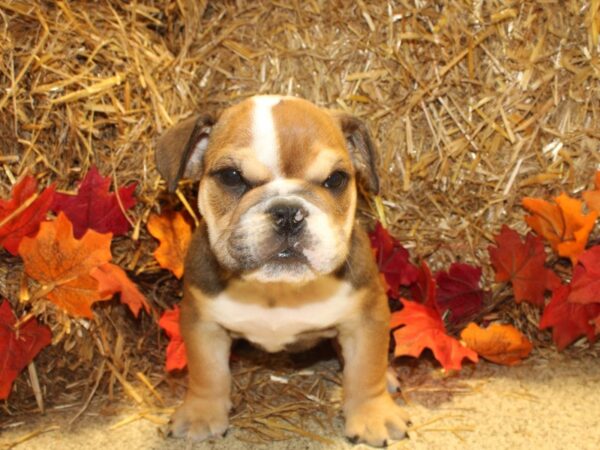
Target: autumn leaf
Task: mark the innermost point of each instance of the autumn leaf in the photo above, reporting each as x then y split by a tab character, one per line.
174	234
585	284
502	344
424	327
568	320
423	289
62	264
95	208
19	346
592	198
458	290
176	356
21	215
522	264
112	279
562	224
392	260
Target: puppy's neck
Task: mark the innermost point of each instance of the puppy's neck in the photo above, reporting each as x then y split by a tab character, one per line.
276	294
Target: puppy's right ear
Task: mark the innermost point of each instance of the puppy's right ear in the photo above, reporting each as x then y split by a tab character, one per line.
180	150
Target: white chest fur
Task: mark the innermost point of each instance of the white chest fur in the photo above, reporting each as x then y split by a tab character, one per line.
273	315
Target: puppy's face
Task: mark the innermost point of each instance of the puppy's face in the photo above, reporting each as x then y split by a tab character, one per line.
277	185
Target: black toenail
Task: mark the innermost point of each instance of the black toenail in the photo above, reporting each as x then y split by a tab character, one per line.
169	434
353	439
409	423
384	443
225	433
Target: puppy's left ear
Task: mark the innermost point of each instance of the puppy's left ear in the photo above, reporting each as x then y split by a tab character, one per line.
180	150
361	147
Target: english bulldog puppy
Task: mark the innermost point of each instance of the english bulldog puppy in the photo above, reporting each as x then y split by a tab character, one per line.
280	258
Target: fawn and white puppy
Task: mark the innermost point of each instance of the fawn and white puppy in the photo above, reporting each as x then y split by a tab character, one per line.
279	258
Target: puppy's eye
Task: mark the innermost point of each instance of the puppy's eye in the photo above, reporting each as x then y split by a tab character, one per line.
230	177
336	181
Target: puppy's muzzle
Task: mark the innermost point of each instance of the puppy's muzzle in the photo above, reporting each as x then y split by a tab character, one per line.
288	219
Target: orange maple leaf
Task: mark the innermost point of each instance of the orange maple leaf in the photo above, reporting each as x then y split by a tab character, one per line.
174	234
502	344
112	279
562	224
423	328
62	264
592	198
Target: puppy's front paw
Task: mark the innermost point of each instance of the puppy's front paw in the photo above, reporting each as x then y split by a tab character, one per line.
200	419
376	421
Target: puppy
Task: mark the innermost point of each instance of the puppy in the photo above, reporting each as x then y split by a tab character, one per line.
279	258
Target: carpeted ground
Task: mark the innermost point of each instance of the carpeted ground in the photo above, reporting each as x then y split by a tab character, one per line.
546	403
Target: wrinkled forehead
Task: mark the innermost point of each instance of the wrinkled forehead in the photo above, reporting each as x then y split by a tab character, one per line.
286	135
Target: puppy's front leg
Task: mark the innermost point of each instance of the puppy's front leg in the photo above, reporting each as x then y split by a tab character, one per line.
204	412
371	414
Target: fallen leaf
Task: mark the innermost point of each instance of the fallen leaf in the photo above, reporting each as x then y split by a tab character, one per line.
458	290
392	260
585	284
176	356
592	198
562	224
174	234
19	346
17	219
502	344
424	328
423	288
62	264
112	279
522	264
568	320
95	208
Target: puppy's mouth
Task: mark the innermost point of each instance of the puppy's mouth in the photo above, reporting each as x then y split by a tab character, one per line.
289	255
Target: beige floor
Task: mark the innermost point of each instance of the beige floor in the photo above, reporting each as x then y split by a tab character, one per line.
547	403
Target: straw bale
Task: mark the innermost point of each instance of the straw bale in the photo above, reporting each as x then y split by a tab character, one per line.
473	105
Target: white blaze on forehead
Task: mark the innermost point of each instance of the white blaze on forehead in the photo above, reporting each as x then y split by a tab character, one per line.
264	136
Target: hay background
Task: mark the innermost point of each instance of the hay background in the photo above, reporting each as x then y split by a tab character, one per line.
473	105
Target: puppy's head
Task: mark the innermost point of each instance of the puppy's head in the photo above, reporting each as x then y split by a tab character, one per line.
278	179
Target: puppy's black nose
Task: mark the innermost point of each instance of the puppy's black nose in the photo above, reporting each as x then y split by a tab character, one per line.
288	218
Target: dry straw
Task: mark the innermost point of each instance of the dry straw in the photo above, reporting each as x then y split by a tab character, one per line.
473	105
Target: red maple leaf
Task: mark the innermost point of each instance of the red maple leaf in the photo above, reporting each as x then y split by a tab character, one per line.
19	346
112	279
424	328
392	260
17	219
94	207
423	290
522	263
585	285
568	320
176	357
458	291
